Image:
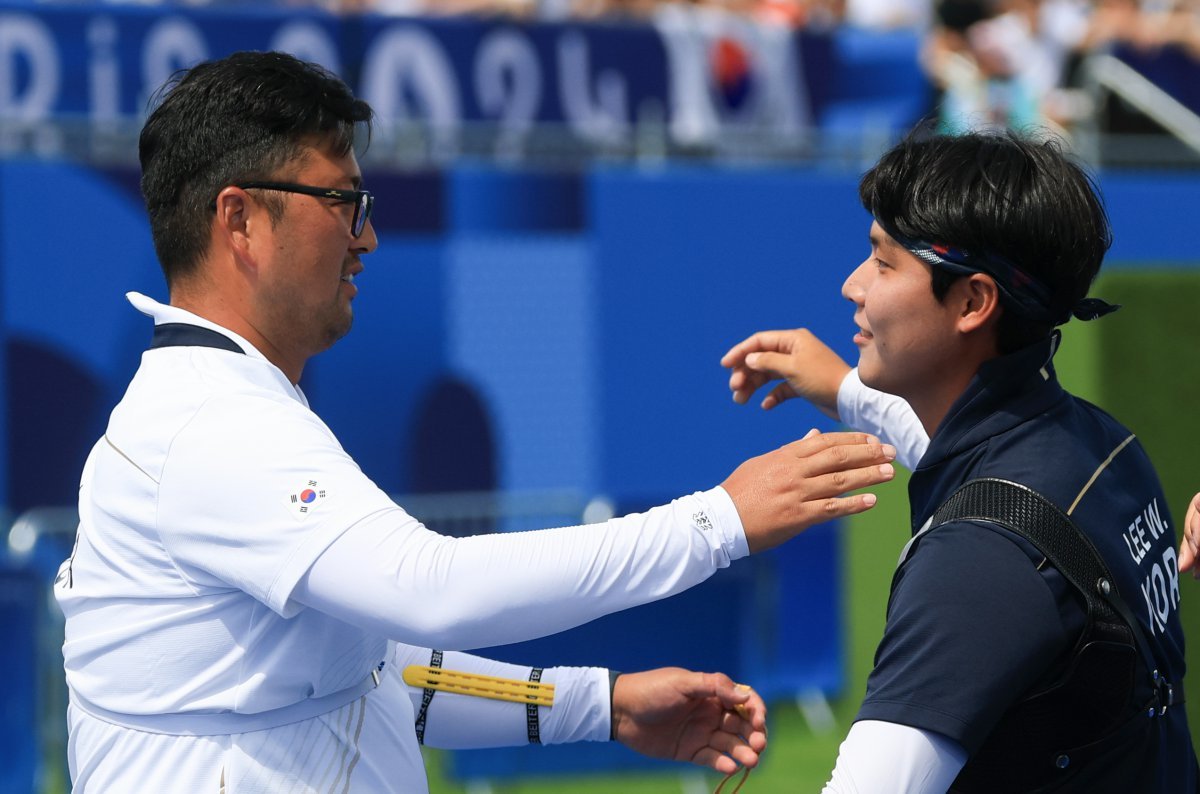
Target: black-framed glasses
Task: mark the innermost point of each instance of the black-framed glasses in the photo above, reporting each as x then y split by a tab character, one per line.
363	201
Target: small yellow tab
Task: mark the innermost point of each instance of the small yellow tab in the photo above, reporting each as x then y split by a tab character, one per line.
475	685
740	708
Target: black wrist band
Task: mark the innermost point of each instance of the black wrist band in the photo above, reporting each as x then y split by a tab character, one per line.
533	722
613	675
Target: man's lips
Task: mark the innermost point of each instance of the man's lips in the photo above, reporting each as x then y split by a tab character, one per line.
348	280
350	272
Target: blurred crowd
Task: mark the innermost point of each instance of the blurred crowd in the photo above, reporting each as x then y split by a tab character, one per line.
991	62
1017	62
1084	22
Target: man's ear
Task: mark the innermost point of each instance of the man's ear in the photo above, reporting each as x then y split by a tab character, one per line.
232	224
979	299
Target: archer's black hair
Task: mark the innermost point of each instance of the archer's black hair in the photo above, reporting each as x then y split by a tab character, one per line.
237	119
999	192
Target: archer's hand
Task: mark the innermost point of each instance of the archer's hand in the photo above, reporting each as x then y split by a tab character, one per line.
805	365
1189	546
703	718
782	493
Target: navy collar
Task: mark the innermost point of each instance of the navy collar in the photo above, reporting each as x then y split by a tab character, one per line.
1019	383
187	335
1005	392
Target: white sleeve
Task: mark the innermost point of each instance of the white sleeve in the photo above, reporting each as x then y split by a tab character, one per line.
390	575
885	415
879	757
581	710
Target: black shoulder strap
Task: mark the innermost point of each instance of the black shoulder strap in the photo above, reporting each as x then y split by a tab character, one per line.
188	335
1027	513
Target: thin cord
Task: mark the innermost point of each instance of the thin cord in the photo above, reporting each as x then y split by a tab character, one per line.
745	772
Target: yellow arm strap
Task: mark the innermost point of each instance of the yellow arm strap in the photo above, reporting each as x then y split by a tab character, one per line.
482	686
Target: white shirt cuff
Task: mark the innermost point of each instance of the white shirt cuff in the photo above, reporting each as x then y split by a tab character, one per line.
581	711
727	524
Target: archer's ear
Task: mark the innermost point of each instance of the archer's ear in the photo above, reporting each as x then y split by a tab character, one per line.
232	223
979	298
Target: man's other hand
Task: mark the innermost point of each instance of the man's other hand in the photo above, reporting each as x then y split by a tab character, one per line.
1189	545
805	365
702	718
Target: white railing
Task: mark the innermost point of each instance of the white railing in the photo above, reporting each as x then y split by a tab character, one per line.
1111	74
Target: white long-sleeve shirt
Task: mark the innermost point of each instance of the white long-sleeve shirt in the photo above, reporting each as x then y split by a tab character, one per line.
241	596
883	757
885	415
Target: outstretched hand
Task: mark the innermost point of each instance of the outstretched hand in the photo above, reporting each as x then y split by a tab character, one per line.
1189	545
703	718
784	492
805	365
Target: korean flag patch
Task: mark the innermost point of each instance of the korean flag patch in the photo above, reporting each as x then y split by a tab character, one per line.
303	501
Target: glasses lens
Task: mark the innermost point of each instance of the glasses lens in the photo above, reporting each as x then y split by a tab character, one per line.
362	211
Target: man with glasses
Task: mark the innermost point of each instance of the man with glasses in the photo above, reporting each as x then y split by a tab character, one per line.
362	200
244	606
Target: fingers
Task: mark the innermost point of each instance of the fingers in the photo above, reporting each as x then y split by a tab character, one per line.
730	731
811	444
743	382
706	685
777	365
755	362
756	370
733	723
810	368
845	464
763	340
745	710
838	462
829	451
1189	545
727	749
734	744
707	756
728	746
842	506
780	394
764	368
782	493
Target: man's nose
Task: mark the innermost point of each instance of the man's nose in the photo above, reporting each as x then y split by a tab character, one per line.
853	289
366	242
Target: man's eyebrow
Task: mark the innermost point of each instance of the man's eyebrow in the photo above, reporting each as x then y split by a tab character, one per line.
881	241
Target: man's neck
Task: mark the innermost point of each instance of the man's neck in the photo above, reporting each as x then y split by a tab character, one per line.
932	409
933	404
236	317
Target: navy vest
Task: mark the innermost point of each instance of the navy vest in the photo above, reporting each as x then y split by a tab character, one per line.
1082	727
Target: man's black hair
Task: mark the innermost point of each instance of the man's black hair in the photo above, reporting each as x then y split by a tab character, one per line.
1000	193
237	119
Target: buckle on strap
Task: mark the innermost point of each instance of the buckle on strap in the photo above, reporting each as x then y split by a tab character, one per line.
1164	695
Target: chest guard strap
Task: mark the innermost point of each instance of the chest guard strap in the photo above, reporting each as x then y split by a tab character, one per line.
1109	689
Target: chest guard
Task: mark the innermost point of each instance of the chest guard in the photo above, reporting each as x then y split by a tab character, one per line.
1089	724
